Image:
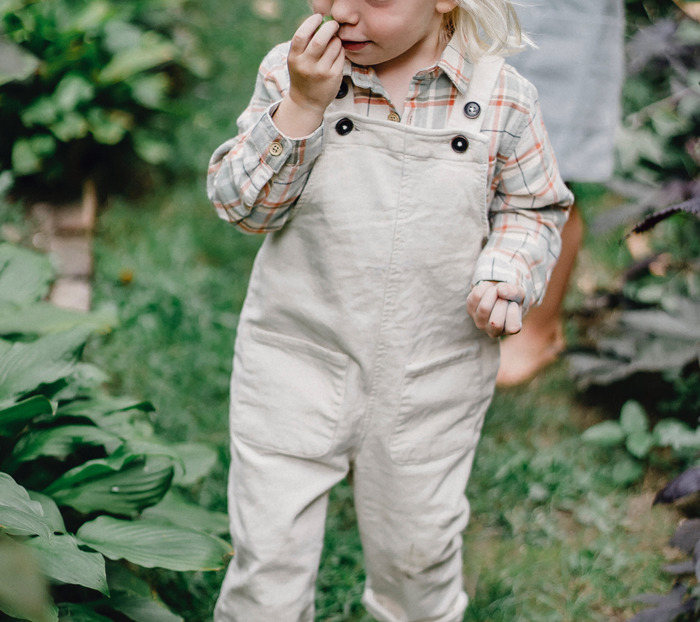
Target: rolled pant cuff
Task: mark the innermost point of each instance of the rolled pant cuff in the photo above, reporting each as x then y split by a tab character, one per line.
455	614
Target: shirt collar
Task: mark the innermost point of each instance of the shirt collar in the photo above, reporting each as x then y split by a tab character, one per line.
453	63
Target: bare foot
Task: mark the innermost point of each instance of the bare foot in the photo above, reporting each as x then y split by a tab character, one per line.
524	355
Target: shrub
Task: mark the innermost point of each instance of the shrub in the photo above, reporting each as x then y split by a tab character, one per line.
88	492
85	83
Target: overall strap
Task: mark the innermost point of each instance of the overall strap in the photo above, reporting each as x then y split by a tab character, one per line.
469	109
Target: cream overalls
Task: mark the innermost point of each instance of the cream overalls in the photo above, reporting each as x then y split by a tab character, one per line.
355	352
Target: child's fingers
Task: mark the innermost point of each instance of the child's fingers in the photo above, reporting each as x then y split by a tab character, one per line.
512	292
304	33
480	304
497	319
514	318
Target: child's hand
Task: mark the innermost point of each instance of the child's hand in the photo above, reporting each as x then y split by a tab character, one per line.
496	307
315	62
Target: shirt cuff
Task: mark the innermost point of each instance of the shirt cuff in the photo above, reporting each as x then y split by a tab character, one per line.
277	150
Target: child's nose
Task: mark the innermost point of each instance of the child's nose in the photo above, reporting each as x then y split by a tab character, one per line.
345	11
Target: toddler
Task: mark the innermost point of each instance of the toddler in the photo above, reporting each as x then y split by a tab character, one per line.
412	205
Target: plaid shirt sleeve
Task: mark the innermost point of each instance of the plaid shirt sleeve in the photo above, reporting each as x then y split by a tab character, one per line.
254	179
530	201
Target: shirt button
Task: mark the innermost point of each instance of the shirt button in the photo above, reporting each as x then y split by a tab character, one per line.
276	149
472	110
460	144
344	126
394	116
343	90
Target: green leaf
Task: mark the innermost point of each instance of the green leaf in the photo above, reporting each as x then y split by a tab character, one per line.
175	509
15	62
606	434
633	418
150	90
639	443
676	434
72	91
142	609
24	160
152	51
151	149
154	544
71	126
61	560
24	593
109	126
28	153
14	418
43	111
52	514
627	471
74	612
19	515
43	318
194	461
26	366
62	441
25	276
140	483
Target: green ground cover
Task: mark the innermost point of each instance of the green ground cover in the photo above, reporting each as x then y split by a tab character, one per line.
553	536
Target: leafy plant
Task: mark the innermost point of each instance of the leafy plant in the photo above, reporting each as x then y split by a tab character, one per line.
87	489
633	432
87	82
683	601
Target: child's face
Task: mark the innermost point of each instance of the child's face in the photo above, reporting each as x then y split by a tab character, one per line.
375	32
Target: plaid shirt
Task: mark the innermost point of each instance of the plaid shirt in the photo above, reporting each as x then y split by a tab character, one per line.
254	183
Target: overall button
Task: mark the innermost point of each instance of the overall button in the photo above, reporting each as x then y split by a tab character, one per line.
276	149
344	126
460	144
394	116
343	90
472	110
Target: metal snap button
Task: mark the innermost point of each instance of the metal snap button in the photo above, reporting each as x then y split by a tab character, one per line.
344	126
394	116
343	90
276	149
460	144
472	110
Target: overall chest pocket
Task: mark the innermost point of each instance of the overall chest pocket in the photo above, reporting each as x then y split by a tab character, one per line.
442	408
287	394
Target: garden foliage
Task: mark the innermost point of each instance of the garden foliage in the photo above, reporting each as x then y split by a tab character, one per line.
88	491
649	329
84	82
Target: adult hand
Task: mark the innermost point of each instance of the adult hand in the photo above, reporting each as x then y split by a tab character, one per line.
496	307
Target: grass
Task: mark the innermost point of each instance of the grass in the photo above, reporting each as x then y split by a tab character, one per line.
552	536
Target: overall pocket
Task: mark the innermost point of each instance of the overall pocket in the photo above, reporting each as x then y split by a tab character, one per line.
286	393
443	402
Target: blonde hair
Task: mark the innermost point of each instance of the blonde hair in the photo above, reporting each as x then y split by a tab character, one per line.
486	27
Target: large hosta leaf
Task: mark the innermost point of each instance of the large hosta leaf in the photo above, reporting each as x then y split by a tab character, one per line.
62	441
175	509
19	515
44	318
14	418
154	544
141	609
26	366
60	559
137	483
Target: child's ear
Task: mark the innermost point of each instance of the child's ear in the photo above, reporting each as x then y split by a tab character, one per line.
445	6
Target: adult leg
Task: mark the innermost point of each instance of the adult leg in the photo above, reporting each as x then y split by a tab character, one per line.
541	339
